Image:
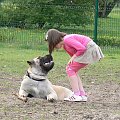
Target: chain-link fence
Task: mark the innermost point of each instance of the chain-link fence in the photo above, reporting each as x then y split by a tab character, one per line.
109	30
25	26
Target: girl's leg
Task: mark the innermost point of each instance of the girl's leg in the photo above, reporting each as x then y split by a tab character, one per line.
74	84
75	81
82	92
81	89
75	88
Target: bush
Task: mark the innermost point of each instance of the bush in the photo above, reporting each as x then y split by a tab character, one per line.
109	41
5	38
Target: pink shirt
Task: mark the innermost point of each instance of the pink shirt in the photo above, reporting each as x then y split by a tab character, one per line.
75	44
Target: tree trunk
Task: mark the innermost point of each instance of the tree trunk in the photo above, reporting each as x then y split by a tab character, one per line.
105	10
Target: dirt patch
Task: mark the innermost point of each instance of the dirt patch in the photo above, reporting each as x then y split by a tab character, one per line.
103	103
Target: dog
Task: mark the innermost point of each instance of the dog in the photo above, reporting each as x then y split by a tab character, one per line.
36	84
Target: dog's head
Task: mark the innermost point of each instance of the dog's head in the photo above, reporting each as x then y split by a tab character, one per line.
42	64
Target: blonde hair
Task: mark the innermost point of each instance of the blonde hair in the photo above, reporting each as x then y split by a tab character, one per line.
53	37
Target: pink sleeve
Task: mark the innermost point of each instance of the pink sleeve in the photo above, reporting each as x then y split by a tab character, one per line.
80	49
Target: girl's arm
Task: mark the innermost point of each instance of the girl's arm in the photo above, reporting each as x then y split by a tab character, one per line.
72	43
72	58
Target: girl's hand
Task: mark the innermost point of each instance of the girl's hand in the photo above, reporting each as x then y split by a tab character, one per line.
72	58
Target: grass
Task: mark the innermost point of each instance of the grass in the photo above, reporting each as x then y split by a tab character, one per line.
12	59
19	45
13	62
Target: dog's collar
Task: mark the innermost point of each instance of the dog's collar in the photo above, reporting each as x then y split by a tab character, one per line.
33	77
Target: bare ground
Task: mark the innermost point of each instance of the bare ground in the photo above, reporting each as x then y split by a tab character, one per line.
103	103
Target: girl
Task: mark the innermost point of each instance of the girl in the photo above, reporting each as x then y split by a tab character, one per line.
83	51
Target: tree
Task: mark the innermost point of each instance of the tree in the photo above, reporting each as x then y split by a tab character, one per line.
39	13
106	6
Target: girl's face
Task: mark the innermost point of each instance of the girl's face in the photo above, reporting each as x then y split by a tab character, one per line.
59	45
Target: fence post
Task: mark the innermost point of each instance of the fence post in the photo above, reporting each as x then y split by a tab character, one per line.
96	21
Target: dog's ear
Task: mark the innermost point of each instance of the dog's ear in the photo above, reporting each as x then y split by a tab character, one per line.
39	57
30	62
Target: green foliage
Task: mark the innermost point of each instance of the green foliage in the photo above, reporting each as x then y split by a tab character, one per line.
39	14
13	61
5	38
109	41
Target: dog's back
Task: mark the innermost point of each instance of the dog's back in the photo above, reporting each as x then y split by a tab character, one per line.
62	92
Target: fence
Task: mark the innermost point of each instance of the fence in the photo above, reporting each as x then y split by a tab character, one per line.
27	35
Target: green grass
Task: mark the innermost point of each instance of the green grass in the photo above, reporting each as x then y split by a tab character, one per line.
13	62
22	35
22	38
19	45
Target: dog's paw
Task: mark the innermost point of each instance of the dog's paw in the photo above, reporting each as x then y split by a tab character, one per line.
51	98
24	99
21	97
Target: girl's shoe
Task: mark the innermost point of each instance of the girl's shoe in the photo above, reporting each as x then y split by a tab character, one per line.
83	95
74	98
84	98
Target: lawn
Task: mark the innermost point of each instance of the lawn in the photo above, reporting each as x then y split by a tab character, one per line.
13	61
101	82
